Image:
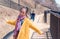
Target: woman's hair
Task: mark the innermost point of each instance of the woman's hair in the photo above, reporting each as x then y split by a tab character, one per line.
25	8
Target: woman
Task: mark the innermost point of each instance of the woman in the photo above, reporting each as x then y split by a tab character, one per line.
20	19
22	25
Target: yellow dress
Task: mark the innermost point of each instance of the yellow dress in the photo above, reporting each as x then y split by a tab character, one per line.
24	31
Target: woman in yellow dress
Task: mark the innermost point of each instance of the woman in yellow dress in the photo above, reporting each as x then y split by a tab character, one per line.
22	25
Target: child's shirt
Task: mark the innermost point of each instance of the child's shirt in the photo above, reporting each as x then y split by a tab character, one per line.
19	24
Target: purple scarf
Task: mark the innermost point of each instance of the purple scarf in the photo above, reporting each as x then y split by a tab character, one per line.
18	24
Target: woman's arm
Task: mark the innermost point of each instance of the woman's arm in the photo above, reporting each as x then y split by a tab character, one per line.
11	22
34	28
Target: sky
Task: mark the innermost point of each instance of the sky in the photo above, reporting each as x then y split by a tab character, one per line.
58	1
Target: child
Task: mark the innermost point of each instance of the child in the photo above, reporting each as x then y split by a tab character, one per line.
22	25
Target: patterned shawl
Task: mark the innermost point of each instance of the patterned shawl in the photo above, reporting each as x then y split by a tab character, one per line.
18	24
